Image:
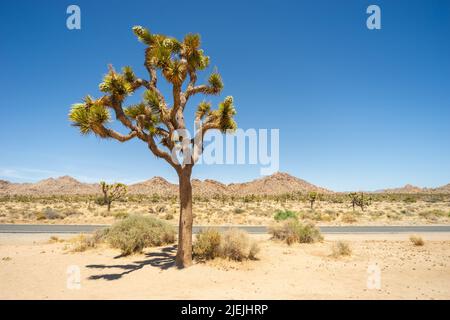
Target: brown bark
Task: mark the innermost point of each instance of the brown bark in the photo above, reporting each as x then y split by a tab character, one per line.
184	252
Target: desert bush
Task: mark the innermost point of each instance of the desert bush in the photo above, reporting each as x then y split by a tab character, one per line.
49	213
417	240
84	242
134	233
207	244
54	239
120	214
409	199
285	214
348	218
71	212
341	248
236	245
432	214
169	216
293	231
238	210
233	244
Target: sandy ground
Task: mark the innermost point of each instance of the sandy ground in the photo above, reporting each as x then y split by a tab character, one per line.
32	268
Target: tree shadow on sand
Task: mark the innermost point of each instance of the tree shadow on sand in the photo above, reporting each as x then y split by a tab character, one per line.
163	259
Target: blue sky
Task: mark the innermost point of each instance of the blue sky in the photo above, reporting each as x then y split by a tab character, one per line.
356	108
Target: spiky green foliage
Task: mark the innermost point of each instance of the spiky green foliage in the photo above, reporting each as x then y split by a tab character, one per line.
128	74
143	35
203	109
195	56
225	115
116	84
89	117
215	81
175	72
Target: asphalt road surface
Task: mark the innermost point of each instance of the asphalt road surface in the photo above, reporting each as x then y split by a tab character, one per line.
52	228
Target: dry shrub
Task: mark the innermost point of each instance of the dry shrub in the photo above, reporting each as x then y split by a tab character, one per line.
134	233
417	240
81	243
341	248
207	244
348	218
236	245
293	231
50	214
233	244
55	239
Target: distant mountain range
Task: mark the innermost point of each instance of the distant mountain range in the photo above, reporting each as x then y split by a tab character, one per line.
277	183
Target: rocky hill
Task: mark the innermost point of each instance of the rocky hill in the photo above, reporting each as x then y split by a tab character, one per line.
277	183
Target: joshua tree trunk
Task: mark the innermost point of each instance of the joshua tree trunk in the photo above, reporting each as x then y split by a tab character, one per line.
184	252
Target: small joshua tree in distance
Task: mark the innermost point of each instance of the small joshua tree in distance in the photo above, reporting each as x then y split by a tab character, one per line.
313	196
359	200
112	192
157	121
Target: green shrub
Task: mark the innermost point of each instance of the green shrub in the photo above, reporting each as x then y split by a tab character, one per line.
238	210
207	244
285	214
134	233
293	231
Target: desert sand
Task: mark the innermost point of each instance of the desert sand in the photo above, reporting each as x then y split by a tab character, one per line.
31	267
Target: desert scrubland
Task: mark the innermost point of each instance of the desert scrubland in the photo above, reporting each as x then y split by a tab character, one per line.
67	201
402	210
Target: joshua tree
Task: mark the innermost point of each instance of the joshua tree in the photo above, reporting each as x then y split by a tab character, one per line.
312	197
112	192
359	200
158	122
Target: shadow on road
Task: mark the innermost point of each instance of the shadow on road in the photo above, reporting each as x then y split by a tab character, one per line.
163	259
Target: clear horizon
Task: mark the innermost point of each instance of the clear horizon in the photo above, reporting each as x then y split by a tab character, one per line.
90	181
357	109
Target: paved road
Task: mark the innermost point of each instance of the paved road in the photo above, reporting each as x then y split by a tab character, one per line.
46	228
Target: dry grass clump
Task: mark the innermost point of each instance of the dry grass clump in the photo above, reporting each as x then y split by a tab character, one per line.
341	248
432	214
134	233
83	242
236	245
417	240
233	244
348	218
55	239
293	231
50	214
